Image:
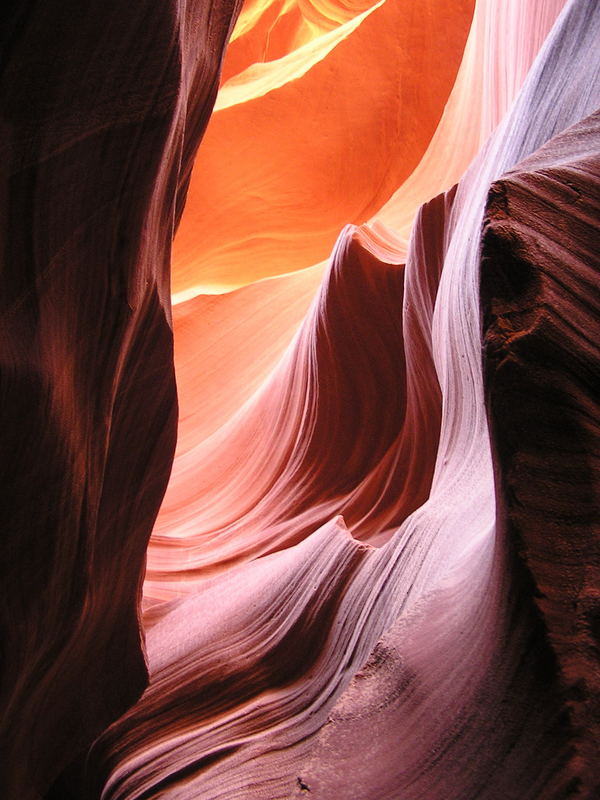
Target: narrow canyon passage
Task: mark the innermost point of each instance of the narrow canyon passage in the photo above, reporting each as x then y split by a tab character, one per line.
298	363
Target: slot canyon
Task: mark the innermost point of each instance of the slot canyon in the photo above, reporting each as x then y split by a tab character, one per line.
299	392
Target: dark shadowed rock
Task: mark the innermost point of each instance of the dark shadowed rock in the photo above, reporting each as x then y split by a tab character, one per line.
541	310
94	161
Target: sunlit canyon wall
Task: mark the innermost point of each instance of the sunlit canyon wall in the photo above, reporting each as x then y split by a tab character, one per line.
300	431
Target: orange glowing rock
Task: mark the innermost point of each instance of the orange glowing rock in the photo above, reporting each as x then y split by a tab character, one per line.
323	136
503	41
226	345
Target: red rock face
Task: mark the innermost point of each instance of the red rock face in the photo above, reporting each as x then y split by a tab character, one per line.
101	112
374	575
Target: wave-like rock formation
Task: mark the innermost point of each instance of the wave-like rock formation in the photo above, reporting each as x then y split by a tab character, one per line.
436	629
375	572
345	372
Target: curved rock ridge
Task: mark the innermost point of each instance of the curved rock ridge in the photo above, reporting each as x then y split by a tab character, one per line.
253	487
227	345
541	306
267	673
215	692
97	137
